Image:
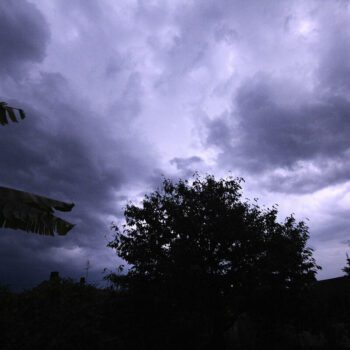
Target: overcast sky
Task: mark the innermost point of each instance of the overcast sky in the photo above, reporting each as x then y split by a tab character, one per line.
118	93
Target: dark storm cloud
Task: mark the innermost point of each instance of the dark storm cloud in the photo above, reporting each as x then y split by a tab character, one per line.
296	136
268	134
68	148
66	151
24	34
268	79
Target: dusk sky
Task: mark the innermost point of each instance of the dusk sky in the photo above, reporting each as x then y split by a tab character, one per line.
119	93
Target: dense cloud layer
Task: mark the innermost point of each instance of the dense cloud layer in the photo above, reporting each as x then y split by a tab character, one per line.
68	150
117	94
24	33
267	132
292	123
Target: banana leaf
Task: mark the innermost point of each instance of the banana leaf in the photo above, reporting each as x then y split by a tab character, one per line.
32	213
8	113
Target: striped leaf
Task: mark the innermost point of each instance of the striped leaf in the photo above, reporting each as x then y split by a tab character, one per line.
8	113
32	213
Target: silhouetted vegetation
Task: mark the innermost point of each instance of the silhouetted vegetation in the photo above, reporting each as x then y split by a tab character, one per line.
63	314
8	113
207	270
27	211
346	269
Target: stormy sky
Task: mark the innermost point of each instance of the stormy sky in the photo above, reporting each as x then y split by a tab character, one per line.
119	93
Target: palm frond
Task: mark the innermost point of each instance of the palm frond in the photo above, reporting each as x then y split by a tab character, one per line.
8	113
32	213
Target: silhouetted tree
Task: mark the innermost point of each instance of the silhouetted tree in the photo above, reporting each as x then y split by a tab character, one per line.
24	210
346	269
201	254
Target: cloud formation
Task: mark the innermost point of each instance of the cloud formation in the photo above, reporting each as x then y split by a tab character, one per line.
68	149
24	34
293	125
117	94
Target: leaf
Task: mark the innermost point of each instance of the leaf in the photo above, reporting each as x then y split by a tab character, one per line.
11	114
27	211
21	113
30	212
3	118
7	111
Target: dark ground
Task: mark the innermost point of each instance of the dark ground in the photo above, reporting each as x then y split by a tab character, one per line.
62	314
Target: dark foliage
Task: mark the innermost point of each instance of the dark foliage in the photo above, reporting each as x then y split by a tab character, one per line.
61	314
58	314
208	271
8	113
346	269
200	256
32	213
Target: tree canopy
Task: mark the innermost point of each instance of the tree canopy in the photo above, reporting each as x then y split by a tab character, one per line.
199	251
204	227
